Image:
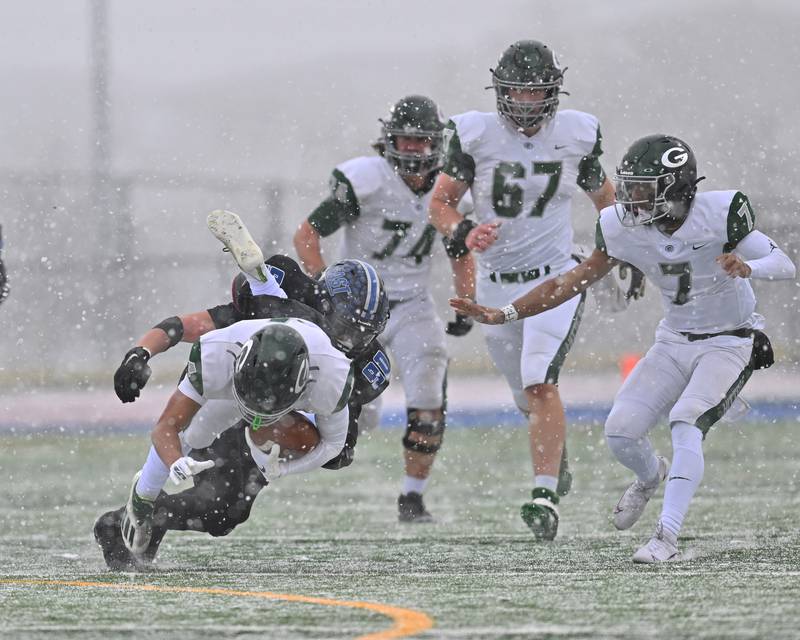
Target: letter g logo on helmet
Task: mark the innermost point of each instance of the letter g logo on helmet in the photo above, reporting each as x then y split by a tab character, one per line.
675	157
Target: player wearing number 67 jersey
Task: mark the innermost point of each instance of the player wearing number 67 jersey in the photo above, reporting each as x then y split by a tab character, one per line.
522	165
700	250
381	204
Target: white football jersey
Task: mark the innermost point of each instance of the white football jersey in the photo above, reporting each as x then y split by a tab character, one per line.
697	295
209	374
391	231
526	183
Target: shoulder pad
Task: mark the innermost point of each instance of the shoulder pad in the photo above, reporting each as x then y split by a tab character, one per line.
579	125
366	174
470	126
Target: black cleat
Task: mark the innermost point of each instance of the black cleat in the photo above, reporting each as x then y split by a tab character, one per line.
108	534
412	509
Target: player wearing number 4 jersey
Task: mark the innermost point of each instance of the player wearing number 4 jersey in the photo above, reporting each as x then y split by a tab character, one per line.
700	250
381	203
522	165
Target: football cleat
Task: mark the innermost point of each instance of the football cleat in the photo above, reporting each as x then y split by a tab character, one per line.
541	513
632	503
229	229
137	522
564	474
108	534
411	508
662	547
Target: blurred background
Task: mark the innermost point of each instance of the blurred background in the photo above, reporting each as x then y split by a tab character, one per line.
124	124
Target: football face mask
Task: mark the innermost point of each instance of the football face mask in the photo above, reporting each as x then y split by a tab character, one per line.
642	200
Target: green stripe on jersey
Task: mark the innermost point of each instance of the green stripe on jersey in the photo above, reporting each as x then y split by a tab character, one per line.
457	164
590	172
348	389
195	368
599	240
741	220
341	207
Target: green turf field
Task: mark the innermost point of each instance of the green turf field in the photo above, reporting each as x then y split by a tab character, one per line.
476	573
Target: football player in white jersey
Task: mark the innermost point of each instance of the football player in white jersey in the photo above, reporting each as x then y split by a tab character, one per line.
522	165
265	368
381	202
700	250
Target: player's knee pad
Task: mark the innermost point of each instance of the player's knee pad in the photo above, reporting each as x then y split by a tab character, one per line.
434	428
627	421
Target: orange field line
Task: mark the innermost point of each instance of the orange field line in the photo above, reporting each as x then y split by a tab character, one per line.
406	621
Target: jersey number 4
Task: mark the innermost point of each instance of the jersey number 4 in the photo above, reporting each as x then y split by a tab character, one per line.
684	272
508	195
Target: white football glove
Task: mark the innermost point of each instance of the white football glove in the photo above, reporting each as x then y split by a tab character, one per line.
268	462
186	467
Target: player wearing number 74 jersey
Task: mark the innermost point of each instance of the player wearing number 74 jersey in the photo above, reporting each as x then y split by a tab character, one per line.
700	250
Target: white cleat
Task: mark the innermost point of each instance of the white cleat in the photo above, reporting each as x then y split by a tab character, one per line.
229	229
662	547
632	503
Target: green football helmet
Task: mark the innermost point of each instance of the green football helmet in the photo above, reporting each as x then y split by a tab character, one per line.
527	64
414	117
270	373
656	180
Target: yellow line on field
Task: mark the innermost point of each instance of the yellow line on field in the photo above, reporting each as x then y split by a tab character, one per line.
406	621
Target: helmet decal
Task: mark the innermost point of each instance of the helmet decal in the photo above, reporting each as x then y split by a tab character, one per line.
243	355
373	288
672	159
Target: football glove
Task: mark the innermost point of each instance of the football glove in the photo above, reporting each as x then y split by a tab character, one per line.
461	326
132	374
267	462
186	467
636	287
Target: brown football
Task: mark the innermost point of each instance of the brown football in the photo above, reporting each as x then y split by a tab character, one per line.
295	434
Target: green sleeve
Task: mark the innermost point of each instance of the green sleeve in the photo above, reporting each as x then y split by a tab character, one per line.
340	208
599	240
195	368
590	172
741	220
457	163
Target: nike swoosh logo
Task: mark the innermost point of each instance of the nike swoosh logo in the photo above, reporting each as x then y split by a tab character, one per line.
680	478
560	146
699	246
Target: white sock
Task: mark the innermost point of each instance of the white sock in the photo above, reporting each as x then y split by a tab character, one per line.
684	475
154	475
546	482
417	485
636	454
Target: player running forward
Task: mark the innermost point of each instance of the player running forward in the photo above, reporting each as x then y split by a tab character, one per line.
700	250
381	204
522	164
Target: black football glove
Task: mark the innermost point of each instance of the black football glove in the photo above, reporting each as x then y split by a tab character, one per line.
132	374
636	287
461	326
